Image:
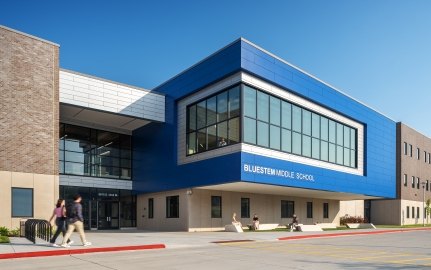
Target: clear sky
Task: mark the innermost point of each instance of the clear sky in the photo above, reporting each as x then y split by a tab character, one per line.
377	51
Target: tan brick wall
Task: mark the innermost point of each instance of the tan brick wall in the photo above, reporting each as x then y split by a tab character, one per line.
29	104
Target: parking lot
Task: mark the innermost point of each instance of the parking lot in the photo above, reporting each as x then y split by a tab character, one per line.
401	250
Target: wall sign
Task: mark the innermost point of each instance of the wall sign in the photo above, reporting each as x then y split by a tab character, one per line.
277	172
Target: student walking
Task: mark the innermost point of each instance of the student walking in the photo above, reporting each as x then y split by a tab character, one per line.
76	221
60	221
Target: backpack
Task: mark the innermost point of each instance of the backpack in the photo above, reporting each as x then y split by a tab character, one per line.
71	211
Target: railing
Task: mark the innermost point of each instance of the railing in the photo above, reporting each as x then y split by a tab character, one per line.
38	228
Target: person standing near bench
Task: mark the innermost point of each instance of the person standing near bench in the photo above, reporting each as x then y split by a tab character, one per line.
294	223
255	224
60	221
76	221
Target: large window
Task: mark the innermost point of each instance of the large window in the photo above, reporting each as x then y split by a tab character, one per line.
287	209
173	206
216	207
214	122
91	152
280	125
269	122
245	207
22	202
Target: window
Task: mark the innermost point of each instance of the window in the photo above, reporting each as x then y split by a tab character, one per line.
417	183
418	153
91	152
411	150
173	206
413	212
405	180
287	209
309	209
22	202
150	208
214	122
245	207
325	210
429	158
277	124
408	212
427	185
417	212
425	157
216	207
413	182
405	148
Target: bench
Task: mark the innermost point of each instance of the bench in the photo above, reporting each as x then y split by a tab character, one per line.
267	227
327	225
233	228
360	225
309	228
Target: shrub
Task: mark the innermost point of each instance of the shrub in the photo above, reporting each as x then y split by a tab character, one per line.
4	239
4	231
14	233
349	219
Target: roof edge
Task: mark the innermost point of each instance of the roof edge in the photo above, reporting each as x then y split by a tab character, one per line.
28	35
110	81
314	77
201	61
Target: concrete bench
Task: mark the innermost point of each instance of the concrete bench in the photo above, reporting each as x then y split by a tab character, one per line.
327	225
267	226
233	228
360	225
310	228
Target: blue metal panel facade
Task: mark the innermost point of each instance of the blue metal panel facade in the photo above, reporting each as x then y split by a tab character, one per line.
155	145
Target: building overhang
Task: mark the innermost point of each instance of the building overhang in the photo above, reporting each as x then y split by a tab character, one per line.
247	187
77	115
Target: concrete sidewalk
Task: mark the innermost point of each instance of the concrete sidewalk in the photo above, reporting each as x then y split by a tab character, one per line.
136	239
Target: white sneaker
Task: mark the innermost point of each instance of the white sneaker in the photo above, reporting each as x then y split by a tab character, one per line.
65	245
54	245
86	244
70	242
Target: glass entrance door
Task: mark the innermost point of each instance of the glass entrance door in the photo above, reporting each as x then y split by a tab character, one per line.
108	215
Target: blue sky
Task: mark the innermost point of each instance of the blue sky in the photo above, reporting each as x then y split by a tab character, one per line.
376	51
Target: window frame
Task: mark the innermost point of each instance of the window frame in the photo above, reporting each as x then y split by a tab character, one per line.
289	208
217	121
301	134
325	210
168	212
220	206
405	180
247	213
309	209
12	202
150	208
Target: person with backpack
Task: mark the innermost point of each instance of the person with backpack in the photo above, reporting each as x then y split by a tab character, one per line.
60	221
75	221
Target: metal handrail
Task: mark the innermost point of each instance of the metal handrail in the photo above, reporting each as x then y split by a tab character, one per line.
38	228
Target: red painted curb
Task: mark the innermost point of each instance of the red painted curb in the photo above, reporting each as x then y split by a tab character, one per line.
297	237
46	253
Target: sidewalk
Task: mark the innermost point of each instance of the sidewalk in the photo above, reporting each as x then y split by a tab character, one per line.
136	240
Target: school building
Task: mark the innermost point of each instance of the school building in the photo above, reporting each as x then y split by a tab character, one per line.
242	131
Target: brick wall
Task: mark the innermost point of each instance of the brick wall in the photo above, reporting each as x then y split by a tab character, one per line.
29	104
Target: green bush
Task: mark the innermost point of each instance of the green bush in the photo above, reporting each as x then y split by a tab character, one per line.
349	219
14	233
4	231
4	239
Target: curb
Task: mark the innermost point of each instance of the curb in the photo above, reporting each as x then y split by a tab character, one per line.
46	253
298	237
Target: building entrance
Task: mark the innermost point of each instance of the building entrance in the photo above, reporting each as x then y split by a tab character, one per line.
104	209
108	215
